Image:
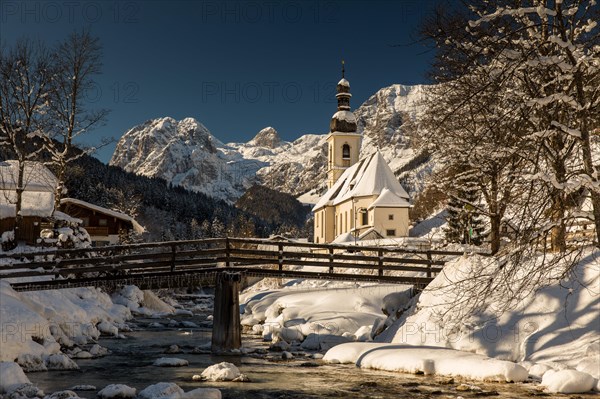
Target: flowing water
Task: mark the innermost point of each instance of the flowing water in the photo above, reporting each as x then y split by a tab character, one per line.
130	362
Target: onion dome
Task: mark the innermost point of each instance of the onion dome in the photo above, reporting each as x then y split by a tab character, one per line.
343	120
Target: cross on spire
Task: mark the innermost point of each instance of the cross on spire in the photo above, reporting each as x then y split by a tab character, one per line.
343	69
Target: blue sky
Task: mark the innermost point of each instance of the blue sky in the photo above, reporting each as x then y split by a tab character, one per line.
235	66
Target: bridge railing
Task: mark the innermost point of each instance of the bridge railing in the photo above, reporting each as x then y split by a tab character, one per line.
254	256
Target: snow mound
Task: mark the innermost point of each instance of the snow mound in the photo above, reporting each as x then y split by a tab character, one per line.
63	395
169	390
116	391
142	302
568	381
11	376
20	324
221	372
320	317
170	362
427	360
556	324
60	361
36	324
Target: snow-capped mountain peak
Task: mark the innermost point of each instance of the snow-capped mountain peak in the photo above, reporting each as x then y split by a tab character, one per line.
267	137
186	153
183	152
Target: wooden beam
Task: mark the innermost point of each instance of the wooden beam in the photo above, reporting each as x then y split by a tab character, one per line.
226	332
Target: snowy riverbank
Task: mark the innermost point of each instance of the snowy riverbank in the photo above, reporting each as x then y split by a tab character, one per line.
47	330
552	337
553	334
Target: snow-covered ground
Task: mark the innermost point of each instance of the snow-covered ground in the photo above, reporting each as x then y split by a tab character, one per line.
552	335
547	333
318	315
553	329
427	360
38	327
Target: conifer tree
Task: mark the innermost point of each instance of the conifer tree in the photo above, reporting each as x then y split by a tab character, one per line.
218	228
465	225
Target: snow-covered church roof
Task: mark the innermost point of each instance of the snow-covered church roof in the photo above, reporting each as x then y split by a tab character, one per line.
369	176
389	199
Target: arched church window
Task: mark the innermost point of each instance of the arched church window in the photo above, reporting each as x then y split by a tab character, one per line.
345	151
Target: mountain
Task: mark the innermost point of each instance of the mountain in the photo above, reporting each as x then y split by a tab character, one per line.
267	137
186	153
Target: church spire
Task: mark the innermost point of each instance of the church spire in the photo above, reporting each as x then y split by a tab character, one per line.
343	140
343	91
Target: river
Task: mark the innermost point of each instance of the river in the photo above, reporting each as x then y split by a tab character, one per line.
130	362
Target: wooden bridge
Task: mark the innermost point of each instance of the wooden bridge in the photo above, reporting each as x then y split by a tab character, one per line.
224	262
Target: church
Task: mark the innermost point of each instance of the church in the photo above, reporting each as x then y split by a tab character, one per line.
364	199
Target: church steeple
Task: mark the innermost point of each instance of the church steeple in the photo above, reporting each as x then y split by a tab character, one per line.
344	141
343	92
343	121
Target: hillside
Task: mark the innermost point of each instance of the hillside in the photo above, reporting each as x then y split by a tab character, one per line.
167	211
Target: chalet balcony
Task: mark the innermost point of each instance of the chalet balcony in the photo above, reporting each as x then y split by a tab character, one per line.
97	231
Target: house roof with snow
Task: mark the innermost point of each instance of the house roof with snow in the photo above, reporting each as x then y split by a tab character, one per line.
136	226
38	185
389	199
369	176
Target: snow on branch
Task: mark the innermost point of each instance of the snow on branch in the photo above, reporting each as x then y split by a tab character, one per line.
573	132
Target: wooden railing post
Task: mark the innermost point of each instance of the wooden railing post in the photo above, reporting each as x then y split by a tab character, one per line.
227	252
331	260
280	256
429	258
380	262
173	255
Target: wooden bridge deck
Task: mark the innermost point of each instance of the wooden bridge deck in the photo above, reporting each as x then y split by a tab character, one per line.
197	262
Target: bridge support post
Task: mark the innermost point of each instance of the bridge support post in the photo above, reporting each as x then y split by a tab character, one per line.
226	333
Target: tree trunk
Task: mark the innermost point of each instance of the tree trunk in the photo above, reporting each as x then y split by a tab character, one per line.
590	171
495	221
596	205
495	216
559	232
19	190
60	184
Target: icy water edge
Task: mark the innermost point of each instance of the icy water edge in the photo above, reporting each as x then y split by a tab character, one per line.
130	363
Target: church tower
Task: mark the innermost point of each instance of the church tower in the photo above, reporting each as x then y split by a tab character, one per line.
343	141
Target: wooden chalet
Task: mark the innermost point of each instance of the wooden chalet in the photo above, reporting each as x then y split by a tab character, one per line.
37	203
104	226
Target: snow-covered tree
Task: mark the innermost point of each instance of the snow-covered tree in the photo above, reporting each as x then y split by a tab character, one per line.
25	76
205	229
464	224
195	232
218	228
76	61
470	132
527	73
518	102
